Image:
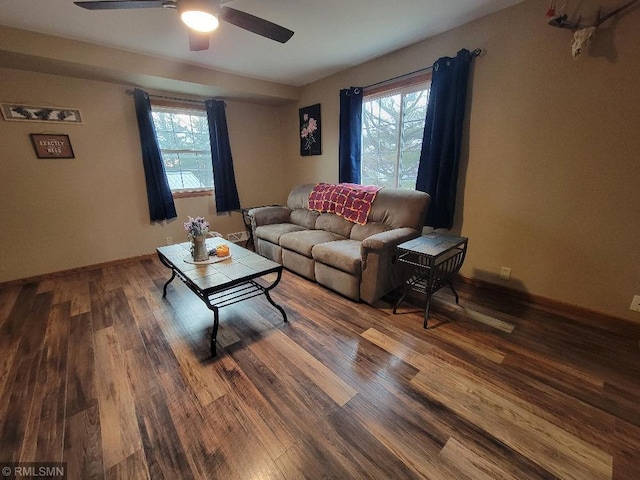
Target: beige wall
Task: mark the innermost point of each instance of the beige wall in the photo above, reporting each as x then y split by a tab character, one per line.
550	176
66	213
548	183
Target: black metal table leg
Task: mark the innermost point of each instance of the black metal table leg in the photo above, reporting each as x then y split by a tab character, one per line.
399	301
426	311
214	332
454	292
164	290
266	294
284	314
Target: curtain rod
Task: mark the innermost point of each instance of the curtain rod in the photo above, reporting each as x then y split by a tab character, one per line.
130	92
476	53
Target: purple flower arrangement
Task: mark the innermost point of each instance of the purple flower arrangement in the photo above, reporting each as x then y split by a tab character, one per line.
196	227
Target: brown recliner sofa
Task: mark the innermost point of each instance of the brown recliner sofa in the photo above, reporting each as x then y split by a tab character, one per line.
357	261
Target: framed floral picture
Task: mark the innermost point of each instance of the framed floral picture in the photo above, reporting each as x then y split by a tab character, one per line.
310	131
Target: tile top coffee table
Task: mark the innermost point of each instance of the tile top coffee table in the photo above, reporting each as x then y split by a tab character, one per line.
224	282
429	263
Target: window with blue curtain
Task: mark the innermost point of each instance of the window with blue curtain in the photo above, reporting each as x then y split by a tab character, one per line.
442	139
160	199
350	141
226	192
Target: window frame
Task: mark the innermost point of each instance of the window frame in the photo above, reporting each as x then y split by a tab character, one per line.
404	86
161	105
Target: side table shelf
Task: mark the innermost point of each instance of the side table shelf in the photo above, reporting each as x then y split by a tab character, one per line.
429	263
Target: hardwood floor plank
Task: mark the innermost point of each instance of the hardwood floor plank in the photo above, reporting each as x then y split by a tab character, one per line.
255	411
206	386
99	370
83	445
153	336
163	451
324	378
470	311
8	298
471	341
26	326
134	466
100	305
361	452
626	459
81	368
239	437
118	420
406	439
555	449
471	464
196	431
44	432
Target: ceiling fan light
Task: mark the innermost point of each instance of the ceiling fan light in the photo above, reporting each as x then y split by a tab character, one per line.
199	20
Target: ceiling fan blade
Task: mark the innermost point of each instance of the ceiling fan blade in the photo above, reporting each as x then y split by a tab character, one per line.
124	4
198	40
255	24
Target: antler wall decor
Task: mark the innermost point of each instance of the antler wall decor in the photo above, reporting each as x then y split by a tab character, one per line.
583	33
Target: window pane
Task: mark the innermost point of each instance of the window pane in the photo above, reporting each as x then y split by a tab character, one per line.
392	129
183	137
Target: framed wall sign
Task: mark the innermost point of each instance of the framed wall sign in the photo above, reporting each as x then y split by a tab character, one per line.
310	131
51	146
16	112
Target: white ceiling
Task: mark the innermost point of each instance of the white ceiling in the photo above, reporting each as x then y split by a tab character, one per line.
330	35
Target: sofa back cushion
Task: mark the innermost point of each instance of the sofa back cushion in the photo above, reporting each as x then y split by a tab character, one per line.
360	232
299	197
331	222
398	208
304	218
393	207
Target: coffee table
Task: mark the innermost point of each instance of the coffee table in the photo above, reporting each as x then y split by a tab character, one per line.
224	282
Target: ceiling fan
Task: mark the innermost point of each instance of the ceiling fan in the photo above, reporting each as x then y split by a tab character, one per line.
201	16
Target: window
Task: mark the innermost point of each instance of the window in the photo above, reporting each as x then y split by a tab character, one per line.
183	137
392	129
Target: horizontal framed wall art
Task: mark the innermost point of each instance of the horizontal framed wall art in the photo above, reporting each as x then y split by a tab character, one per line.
310	131
15	112
51	146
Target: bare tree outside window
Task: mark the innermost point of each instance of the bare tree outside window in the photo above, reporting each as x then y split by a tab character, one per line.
392	129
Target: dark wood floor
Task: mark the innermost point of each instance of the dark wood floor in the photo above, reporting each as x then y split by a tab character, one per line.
97	370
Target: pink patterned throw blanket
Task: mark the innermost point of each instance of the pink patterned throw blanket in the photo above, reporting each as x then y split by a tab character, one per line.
348	200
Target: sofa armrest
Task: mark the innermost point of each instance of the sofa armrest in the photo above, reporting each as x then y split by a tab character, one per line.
269	215
381	272
387	240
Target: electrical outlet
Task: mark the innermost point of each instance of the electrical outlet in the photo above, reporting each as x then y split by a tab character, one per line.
505	273
635	304
169	240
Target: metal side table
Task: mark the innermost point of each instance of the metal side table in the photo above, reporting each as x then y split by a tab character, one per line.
429	263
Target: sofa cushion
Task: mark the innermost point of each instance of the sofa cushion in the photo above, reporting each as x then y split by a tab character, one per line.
299	197
304	218
360	232
399	208
299	264
341	254
303	241
344	283
333	223
273	232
